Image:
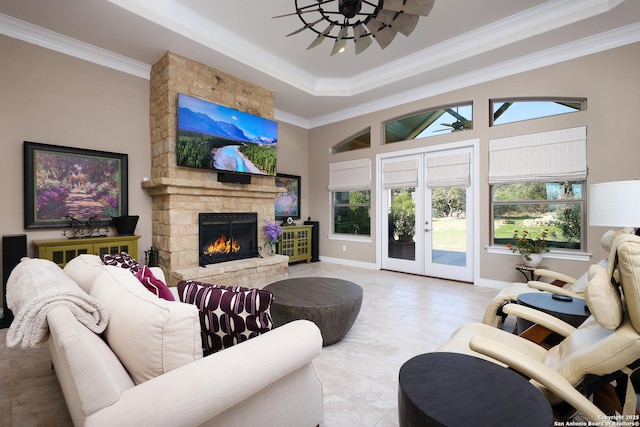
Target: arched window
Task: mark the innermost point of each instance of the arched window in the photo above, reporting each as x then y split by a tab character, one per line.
518	109
446	119
356	142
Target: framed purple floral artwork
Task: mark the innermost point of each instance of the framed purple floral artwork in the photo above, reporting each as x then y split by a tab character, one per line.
288	202
61	183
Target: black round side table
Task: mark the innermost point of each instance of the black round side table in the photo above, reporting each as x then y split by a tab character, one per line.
451	389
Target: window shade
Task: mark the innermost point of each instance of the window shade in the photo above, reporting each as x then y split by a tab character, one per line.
539	157
451	170
400	174
350	175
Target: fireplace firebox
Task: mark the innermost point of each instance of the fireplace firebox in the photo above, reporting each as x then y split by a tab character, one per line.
227	236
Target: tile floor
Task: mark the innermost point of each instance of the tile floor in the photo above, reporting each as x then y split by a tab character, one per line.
402	315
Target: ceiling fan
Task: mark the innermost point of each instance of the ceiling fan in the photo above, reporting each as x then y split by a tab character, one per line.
461	122
359	20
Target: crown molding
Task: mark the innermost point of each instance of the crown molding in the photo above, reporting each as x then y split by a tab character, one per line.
531	22
184	21
523	25
42	37
583	47
292	119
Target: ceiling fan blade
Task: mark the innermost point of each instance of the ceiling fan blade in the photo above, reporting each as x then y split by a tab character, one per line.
382	33
412	7
295	13
302	9
402	22
322	36
305	27
361	39
341	42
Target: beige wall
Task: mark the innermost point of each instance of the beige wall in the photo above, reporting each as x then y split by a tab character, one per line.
609	81
52	98
293	159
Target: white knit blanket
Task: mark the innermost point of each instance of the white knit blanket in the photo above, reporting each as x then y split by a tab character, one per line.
37	286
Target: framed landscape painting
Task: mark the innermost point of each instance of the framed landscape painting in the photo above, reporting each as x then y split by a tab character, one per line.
63	182
288	202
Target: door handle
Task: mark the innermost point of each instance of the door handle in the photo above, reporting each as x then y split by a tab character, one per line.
427	230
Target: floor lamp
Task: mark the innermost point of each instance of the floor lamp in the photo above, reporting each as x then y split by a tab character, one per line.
615	204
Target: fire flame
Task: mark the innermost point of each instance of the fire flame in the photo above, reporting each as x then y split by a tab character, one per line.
222	246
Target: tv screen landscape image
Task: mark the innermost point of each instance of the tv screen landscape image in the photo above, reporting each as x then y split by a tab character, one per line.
212	136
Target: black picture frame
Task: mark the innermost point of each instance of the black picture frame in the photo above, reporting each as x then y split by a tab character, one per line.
60	182
287	204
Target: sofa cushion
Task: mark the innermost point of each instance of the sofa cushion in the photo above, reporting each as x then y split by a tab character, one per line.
153	284
123	260
149	335
84	269
228	314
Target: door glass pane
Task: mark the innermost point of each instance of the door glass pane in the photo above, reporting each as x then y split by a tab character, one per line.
449	226
402	223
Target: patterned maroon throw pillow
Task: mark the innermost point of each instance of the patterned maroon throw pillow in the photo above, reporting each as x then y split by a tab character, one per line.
153	284
123	260
228	314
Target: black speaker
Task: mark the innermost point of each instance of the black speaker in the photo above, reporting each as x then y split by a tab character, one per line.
14	248
234	178
315	240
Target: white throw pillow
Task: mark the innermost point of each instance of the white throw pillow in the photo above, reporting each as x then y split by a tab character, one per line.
84	269
149	335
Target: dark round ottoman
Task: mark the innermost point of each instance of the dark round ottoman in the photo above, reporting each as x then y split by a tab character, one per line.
332	304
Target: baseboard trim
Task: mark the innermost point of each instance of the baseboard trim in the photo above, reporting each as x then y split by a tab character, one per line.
350	263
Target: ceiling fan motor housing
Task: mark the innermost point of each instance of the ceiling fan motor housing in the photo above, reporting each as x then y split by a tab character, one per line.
349	8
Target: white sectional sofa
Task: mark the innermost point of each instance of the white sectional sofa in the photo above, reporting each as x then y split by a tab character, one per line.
147	368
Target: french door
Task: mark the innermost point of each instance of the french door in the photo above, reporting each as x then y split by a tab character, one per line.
427	213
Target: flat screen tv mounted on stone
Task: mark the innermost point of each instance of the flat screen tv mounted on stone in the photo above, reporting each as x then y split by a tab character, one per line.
215	137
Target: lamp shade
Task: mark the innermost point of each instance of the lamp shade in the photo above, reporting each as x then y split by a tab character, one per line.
615	204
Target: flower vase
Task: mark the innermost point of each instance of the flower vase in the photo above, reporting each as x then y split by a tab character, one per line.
271	249
534	261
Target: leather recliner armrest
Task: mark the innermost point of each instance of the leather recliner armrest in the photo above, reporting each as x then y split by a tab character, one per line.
539	372
548	321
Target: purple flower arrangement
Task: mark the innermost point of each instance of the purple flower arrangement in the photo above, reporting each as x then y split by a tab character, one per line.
272	232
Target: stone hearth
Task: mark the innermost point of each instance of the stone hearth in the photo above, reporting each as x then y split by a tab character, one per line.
250	272
179	194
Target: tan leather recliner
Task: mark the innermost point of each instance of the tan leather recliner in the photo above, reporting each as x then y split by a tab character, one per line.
607	342
574	287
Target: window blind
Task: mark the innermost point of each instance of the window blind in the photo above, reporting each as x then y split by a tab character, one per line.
450	170
350	175
400	174
559	155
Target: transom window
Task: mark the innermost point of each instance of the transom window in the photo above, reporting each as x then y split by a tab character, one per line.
515	110
356	142
447	119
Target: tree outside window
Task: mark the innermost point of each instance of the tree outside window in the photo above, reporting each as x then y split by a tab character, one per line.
535	206
352	212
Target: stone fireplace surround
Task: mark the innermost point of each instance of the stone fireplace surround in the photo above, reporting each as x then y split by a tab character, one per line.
179	194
